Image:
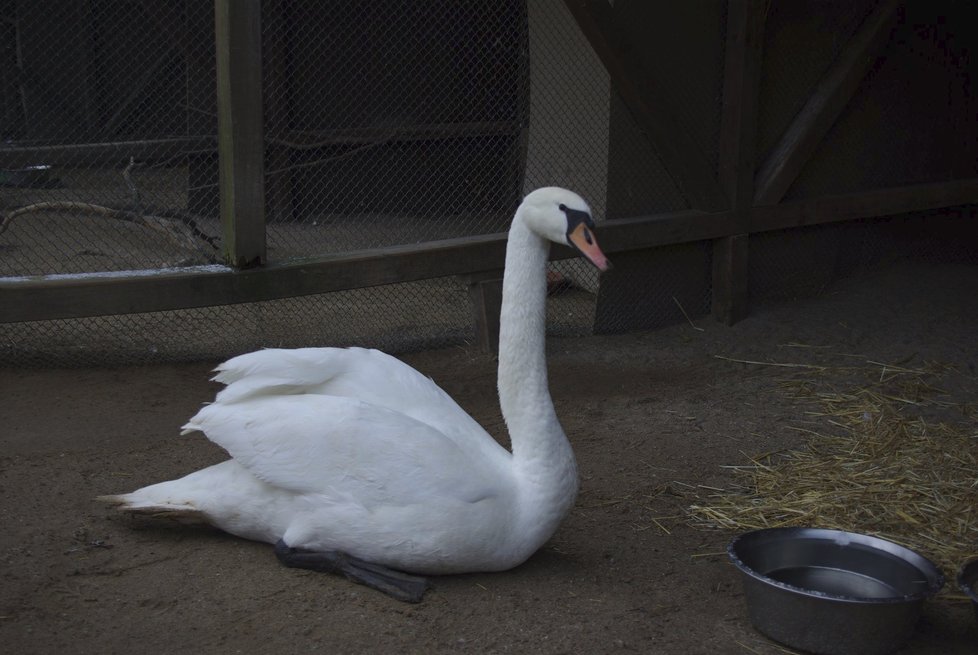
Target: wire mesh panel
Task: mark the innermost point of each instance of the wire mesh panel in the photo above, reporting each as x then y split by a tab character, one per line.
395	123
397	317
101	134
384	124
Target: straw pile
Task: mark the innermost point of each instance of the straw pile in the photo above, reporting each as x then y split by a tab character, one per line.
894	458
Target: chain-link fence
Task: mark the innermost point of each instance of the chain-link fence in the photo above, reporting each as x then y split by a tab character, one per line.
388	124
101	143
384	125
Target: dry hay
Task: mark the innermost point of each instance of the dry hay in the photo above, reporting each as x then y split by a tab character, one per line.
893	458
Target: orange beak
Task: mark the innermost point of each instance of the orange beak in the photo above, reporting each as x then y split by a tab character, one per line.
582	238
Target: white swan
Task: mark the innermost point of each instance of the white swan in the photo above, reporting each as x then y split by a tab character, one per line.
353	462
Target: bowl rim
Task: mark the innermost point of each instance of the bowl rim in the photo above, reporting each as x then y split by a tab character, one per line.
930	570
967	578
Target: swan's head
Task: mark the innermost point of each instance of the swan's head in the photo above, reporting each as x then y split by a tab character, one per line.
563	217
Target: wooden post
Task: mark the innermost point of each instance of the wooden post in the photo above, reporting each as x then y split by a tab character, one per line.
738	139
730	289
241	168
486	293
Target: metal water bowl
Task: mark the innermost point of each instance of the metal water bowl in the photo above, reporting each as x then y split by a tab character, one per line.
832	592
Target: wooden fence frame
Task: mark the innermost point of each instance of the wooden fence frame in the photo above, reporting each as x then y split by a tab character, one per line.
745	199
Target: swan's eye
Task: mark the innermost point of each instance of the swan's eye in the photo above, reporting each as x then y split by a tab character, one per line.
577	217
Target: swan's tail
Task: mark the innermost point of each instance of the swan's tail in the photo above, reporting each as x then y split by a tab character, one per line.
184	499
140	502
224	495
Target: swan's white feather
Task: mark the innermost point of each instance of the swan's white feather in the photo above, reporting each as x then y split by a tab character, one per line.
365	374
315	462
316	444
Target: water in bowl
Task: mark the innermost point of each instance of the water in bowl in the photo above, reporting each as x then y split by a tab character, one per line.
835	582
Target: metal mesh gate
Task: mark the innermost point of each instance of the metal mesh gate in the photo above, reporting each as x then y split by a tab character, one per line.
390	124
406	124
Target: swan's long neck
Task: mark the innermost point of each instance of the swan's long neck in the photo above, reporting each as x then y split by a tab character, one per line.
543	460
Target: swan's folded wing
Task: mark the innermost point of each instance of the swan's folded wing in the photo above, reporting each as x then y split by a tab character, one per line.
276	371
364	374
341	448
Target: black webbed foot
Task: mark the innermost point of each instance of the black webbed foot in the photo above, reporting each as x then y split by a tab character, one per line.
396	584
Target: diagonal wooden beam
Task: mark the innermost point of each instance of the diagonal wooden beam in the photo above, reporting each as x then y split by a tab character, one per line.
688	164
829	98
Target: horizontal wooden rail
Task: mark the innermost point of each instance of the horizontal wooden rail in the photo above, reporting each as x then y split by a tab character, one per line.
75	154
643	232
73	296
47	297
864	204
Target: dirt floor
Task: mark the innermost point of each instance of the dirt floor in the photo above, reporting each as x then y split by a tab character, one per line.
652	418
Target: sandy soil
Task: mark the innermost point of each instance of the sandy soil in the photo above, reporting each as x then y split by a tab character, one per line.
648	414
